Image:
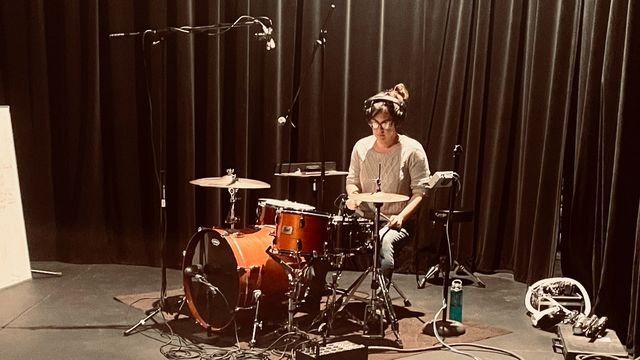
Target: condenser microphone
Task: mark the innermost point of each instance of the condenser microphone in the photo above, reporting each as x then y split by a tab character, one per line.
267	35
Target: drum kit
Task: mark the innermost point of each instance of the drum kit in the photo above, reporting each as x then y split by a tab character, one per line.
232	275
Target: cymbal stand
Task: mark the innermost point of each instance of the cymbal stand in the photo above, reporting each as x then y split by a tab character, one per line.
336	305
231	217
375	310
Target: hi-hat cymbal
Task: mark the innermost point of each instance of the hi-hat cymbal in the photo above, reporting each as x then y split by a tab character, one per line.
306	174
230	182
379	197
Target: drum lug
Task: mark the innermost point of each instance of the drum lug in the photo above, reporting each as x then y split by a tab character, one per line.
301	221
241	269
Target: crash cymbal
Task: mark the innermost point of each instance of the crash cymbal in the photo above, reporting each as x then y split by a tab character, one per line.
229	181
379	197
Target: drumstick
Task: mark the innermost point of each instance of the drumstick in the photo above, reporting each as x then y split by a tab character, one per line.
385	217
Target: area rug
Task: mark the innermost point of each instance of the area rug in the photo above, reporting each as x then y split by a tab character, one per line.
410	322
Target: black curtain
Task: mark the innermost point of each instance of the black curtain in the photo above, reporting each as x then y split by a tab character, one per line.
600	245
539	94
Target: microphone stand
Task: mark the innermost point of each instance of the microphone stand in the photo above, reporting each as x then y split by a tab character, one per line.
320	43
161	177
444	327
217	29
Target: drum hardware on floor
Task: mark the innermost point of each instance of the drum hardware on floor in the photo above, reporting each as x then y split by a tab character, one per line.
257	294
295	276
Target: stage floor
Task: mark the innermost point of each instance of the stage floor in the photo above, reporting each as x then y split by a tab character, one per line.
76	316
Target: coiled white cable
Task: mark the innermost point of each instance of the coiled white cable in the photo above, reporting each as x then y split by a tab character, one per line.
537	314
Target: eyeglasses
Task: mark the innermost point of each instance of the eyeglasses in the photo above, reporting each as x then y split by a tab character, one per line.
385	125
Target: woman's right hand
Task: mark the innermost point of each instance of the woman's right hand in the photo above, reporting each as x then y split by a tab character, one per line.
352	204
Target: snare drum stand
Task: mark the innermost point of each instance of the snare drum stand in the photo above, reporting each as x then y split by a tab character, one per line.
294	276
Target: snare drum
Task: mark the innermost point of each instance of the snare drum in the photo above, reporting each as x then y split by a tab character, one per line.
301	232
349	234
267	208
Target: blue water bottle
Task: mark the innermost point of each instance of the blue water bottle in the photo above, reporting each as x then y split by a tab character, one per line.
455	300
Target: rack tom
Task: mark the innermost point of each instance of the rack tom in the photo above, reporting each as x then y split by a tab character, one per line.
301	232
267	209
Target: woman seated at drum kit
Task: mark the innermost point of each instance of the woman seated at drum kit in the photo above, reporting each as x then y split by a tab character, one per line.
385	163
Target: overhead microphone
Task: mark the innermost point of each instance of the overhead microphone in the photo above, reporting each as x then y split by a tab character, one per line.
266	34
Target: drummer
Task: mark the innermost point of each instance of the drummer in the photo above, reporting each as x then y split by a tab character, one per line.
401	164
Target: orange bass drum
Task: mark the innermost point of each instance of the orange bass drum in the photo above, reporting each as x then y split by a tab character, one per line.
236	265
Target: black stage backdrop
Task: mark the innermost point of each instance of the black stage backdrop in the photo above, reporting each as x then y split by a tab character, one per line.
540	94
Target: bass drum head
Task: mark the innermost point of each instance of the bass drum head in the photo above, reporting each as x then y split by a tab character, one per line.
212	310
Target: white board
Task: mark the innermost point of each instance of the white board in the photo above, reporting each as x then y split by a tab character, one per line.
14	253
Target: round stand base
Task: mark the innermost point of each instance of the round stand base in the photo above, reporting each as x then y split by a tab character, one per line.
446	328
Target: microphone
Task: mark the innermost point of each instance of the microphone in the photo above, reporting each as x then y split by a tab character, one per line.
196	272
284	119
193	270
266	34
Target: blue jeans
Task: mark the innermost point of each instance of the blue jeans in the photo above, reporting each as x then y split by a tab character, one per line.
391	240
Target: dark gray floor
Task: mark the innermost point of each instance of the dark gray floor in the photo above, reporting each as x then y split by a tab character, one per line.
76	317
